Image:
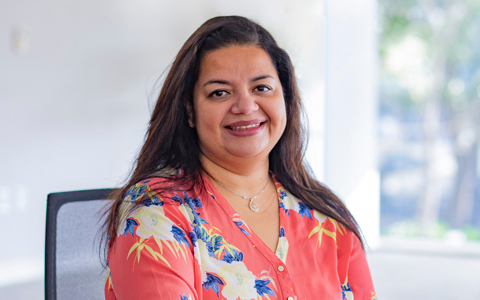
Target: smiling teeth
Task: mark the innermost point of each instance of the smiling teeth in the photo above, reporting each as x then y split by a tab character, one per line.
245	127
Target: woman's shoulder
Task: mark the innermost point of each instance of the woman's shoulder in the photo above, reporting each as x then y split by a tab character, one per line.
163	187
147	192
159	197
292	205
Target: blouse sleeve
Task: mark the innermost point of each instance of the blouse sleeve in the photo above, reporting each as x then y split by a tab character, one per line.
358	280
152	256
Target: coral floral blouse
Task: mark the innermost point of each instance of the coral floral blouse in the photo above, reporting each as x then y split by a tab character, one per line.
193	245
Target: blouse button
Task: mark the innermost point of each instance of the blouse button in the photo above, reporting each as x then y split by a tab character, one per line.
281	268
290	298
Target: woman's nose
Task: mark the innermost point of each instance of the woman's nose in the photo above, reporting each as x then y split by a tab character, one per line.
244	103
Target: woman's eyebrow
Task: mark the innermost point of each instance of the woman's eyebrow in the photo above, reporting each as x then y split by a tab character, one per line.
220	81
261	77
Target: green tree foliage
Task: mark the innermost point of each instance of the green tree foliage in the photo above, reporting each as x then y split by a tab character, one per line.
430	72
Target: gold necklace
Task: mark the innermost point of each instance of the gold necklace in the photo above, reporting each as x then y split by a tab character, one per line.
252	204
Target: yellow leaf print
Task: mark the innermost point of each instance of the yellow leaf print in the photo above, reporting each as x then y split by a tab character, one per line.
142	244
108	278
320	229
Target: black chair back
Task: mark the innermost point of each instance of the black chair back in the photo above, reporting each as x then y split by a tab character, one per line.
73	269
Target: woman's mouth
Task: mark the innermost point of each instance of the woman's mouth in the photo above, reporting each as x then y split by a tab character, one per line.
245	127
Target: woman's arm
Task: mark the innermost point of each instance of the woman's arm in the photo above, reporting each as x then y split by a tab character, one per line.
152	257
358	282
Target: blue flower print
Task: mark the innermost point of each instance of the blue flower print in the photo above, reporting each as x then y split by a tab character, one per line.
282	194
200	231
213	282
193	238
197	219
193	203
305	210
237	256
136	191
183	297
148	201
262	288
141	193
176	198
346	289
282	232
213	244
130	227
239	224
179	235
196	202
282	206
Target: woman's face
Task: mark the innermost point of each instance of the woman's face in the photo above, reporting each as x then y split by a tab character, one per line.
238	103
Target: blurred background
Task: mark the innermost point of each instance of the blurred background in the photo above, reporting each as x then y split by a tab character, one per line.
429	117
391	89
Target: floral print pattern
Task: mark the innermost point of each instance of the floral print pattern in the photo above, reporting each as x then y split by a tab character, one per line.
202	249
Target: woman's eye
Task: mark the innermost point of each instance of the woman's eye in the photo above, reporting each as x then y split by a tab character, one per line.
262	88
218	93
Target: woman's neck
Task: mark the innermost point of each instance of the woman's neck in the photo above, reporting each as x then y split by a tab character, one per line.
245	178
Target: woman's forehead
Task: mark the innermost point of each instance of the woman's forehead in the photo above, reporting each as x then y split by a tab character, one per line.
236	62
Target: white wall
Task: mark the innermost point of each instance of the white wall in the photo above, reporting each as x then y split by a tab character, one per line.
75	77
350	113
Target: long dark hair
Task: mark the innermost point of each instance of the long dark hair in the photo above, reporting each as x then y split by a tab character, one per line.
170	141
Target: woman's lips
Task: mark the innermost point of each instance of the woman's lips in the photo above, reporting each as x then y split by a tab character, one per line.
245	123
242	129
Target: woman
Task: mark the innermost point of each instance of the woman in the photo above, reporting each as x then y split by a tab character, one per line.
220	204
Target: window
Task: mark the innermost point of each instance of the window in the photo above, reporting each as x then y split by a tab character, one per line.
429	117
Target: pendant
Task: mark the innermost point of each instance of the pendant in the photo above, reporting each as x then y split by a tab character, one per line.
253	206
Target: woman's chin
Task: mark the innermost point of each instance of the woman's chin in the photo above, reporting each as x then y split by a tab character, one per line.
240	153
248	151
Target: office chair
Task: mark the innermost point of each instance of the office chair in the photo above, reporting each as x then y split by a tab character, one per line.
73	269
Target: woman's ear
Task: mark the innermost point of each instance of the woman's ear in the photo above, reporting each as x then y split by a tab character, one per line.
190	114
